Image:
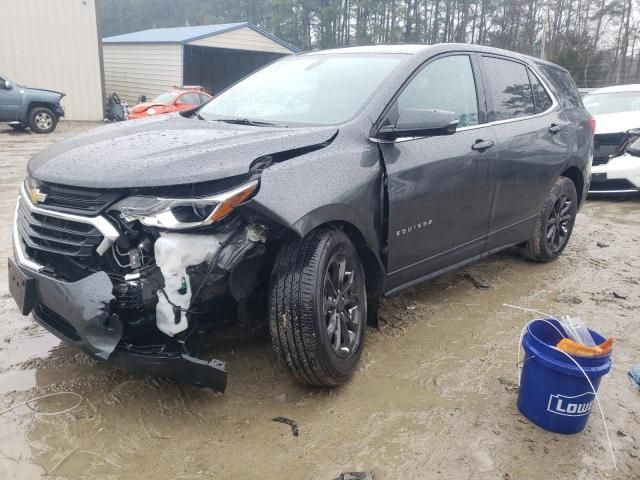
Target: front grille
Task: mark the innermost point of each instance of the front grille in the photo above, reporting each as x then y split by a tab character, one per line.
56	322
77	200
42	232
605	145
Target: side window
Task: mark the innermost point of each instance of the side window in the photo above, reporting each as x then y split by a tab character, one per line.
541	98
561	80
445	84
203	98
510	89
189	99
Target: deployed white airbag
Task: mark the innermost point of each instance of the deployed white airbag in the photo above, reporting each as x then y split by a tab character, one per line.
175	252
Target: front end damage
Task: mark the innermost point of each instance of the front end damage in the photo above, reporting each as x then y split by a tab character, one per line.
139	279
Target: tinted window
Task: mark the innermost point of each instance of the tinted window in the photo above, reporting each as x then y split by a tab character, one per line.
190	99
445	84
540	96
563	83
509	87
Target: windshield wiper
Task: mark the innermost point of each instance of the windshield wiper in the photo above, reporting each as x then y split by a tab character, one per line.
244	121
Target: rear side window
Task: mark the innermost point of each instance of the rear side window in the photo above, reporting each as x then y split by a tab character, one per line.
541	98
444	84
563	83
509	87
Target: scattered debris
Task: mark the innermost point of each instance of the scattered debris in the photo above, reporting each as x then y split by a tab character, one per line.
567	298
621	433
288	421
602	244
634	375
356	476
476	283
619	296
508	384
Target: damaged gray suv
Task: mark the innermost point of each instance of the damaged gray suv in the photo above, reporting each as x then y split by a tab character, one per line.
293	201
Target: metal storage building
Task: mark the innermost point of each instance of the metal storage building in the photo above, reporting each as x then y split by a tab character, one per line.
55	45
213	56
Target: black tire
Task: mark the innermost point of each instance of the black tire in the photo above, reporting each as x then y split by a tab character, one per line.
42	120
18	127
303	307
554	224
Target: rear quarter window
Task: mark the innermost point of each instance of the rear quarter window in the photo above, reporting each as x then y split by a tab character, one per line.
563	85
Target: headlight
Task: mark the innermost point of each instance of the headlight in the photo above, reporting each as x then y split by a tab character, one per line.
182	213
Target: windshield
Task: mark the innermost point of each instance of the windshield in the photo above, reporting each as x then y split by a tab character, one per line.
165	97
615	102
312	89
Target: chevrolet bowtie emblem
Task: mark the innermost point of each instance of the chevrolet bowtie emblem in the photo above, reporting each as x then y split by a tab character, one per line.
37	196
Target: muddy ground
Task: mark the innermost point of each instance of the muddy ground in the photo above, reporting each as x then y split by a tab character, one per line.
434	396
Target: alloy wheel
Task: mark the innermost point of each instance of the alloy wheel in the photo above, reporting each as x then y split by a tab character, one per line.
558	223
343	308
43	120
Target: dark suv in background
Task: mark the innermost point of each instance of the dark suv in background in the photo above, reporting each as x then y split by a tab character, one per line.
24	107
293	200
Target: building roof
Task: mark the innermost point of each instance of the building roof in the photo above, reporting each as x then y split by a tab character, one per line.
183	35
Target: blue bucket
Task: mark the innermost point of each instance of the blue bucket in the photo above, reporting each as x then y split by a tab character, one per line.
554	394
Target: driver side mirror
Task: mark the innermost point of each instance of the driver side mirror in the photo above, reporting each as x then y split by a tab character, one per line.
420	122
6	84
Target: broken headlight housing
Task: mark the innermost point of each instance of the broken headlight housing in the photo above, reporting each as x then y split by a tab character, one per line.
184	213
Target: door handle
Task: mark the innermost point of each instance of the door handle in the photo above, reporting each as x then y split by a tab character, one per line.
482	145
554	128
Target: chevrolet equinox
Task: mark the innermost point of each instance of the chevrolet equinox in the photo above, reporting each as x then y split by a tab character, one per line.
293	201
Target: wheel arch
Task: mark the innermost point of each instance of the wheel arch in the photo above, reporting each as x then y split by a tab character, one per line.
574	174
372	264
39	103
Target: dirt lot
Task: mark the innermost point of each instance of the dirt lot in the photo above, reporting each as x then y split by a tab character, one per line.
434	396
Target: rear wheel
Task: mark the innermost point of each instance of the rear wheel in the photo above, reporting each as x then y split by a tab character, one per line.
317	307
42	120
554	224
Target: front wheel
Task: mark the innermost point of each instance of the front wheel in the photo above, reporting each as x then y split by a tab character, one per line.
554	224
42	120
317	307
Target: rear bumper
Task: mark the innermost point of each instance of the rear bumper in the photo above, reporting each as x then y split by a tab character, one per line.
59	111
78	314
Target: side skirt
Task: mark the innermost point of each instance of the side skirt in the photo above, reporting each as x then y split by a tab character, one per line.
448	269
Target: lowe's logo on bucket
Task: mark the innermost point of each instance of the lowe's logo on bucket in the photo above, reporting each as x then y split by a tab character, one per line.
575	406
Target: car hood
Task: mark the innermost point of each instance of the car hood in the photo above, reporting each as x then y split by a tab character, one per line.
166	150
616	122
44	91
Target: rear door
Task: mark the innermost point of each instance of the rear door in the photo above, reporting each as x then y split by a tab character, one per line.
439	190
533	136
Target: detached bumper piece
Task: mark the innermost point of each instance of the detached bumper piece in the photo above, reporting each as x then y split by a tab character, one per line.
78	313
185	368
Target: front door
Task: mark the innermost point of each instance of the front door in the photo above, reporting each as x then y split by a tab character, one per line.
439	189
10	101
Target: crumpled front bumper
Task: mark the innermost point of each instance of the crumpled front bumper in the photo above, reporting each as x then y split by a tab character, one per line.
78	313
